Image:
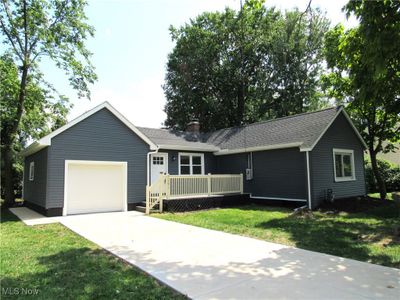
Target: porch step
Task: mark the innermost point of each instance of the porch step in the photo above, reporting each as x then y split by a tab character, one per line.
142	207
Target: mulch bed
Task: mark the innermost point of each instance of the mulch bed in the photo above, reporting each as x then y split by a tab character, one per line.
354	205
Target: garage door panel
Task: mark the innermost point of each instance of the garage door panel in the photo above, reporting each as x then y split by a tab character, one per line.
95	188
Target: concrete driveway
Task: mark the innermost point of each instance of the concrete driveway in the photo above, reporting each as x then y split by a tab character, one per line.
207	264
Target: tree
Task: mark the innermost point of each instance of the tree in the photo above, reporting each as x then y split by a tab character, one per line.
33	29
365	65
43	113
235	67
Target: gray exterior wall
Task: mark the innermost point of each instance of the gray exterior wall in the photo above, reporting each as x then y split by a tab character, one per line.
173	165
276	173
35	191
99	137
339	135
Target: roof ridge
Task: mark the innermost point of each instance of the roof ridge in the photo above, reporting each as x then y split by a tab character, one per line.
277	119
247	125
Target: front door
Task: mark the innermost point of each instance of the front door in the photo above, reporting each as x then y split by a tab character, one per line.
159	165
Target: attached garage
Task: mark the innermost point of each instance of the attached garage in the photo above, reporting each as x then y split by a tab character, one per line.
95	186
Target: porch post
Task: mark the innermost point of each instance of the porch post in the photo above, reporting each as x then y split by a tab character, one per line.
241	183
209	184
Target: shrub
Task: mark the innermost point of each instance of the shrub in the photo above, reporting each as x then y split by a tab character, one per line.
390	174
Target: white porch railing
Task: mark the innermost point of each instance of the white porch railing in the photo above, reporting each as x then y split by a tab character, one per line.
184	186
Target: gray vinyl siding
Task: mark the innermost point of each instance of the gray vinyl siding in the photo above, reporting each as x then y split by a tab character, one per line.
100	137
339	135
173	163
35	191
276	173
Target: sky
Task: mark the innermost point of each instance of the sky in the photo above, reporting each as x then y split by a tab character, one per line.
130	50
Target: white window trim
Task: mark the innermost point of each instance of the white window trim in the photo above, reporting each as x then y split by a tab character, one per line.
32	171
344	151
190	154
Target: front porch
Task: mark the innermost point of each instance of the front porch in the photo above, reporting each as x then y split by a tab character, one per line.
179	188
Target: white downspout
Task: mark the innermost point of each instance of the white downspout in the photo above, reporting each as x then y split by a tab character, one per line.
148	164
308	180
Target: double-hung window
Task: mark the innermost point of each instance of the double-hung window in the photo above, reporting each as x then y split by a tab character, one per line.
343	164
191	164
31	171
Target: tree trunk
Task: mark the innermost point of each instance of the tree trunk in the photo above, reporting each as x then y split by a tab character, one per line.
377	174
8	176
9	141
240	105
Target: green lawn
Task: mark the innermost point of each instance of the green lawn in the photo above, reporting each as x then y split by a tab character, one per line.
377	196
371	236
60	264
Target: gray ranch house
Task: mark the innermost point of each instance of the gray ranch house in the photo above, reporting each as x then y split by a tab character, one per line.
101	162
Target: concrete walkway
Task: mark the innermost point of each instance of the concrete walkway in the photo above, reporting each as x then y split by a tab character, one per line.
207	264
30	217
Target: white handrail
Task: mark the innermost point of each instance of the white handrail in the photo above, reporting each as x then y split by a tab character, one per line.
184	186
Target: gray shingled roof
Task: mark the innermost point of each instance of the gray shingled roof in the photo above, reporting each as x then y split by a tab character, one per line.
304	129
169	137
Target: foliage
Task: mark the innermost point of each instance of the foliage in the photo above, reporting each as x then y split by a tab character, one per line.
234	67
365	73
31	30
43	113
366	236
60	264
389	172
55	29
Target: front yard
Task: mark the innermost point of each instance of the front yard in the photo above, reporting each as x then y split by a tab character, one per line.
52	262
368	233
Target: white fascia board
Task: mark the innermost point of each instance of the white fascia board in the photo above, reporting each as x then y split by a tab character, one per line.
46	141
258	148
34	147
188	148
340	110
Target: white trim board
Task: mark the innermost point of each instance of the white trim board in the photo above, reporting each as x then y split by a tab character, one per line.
188	148
124	164
308	180
258	148
277	198
46	141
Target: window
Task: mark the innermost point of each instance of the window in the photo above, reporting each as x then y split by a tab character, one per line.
344	164
158	160
31	171
191	164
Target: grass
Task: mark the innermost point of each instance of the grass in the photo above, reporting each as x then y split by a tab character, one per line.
60	264
371	236
377	196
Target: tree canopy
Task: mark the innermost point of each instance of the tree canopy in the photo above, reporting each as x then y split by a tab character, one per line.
365	73
43	113
236	67
31	30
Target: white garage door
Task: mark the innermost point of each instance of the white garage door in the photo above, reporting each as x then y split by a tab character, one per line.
94	186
